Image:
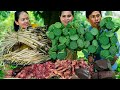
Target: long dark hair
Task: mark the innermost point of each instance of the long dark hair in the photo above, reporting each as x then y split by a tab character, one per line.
17	14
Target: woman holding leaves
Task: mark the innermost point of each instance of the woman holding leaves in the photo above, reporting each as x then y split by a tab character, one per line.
65	18
94	18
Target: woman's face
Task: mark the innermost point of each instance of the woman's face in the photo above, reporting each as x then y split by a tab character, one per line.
23	20
66	16
95	18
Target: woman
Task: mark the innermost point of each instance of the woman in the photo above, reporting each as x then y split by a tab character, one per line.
94	18
21	20
65	18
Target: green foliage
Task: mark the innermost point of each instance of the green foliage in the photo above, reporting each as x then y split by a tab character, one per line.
4	15
95	43
62	54
4	67
1	74
113	50
73	45
6	23
118	68
104	40
68	39
62	39
104	53
108	38
89	36
92	49
80	43
76	36
94	31
79	15
105	46
109	33
36	18
107	23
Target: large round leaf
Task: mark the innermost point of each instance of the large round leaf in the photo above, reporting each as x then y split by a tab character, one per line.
65	31
72	31
62	39
86	44
81	30
58	25
61	55
73	45
109	25
113	50
51	28
94	31
102	23
113	39
89	36
104	40
104	53
61	47
105	46
74	37
53	55
109	33
50	35
57	31
95	43
92	49
80	43
67	41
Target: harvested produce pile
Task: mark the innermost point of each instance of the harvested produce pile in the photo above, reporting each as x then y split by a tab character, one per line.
64	69
65	38
25	56
75	36
104	42
25	46
108	39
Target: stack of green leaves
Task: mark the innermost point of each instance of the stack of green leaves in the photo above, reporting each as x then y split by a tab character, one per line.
75	36
70	37
108	39
91	41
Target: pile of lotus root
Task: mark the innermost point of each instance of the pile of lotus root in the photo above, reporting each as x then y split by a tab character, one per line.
61	69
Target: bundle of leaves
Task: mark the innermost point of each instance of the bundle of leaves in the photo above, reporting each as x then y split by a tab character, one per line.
91	41
66	38
108	39
76	36
102	42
